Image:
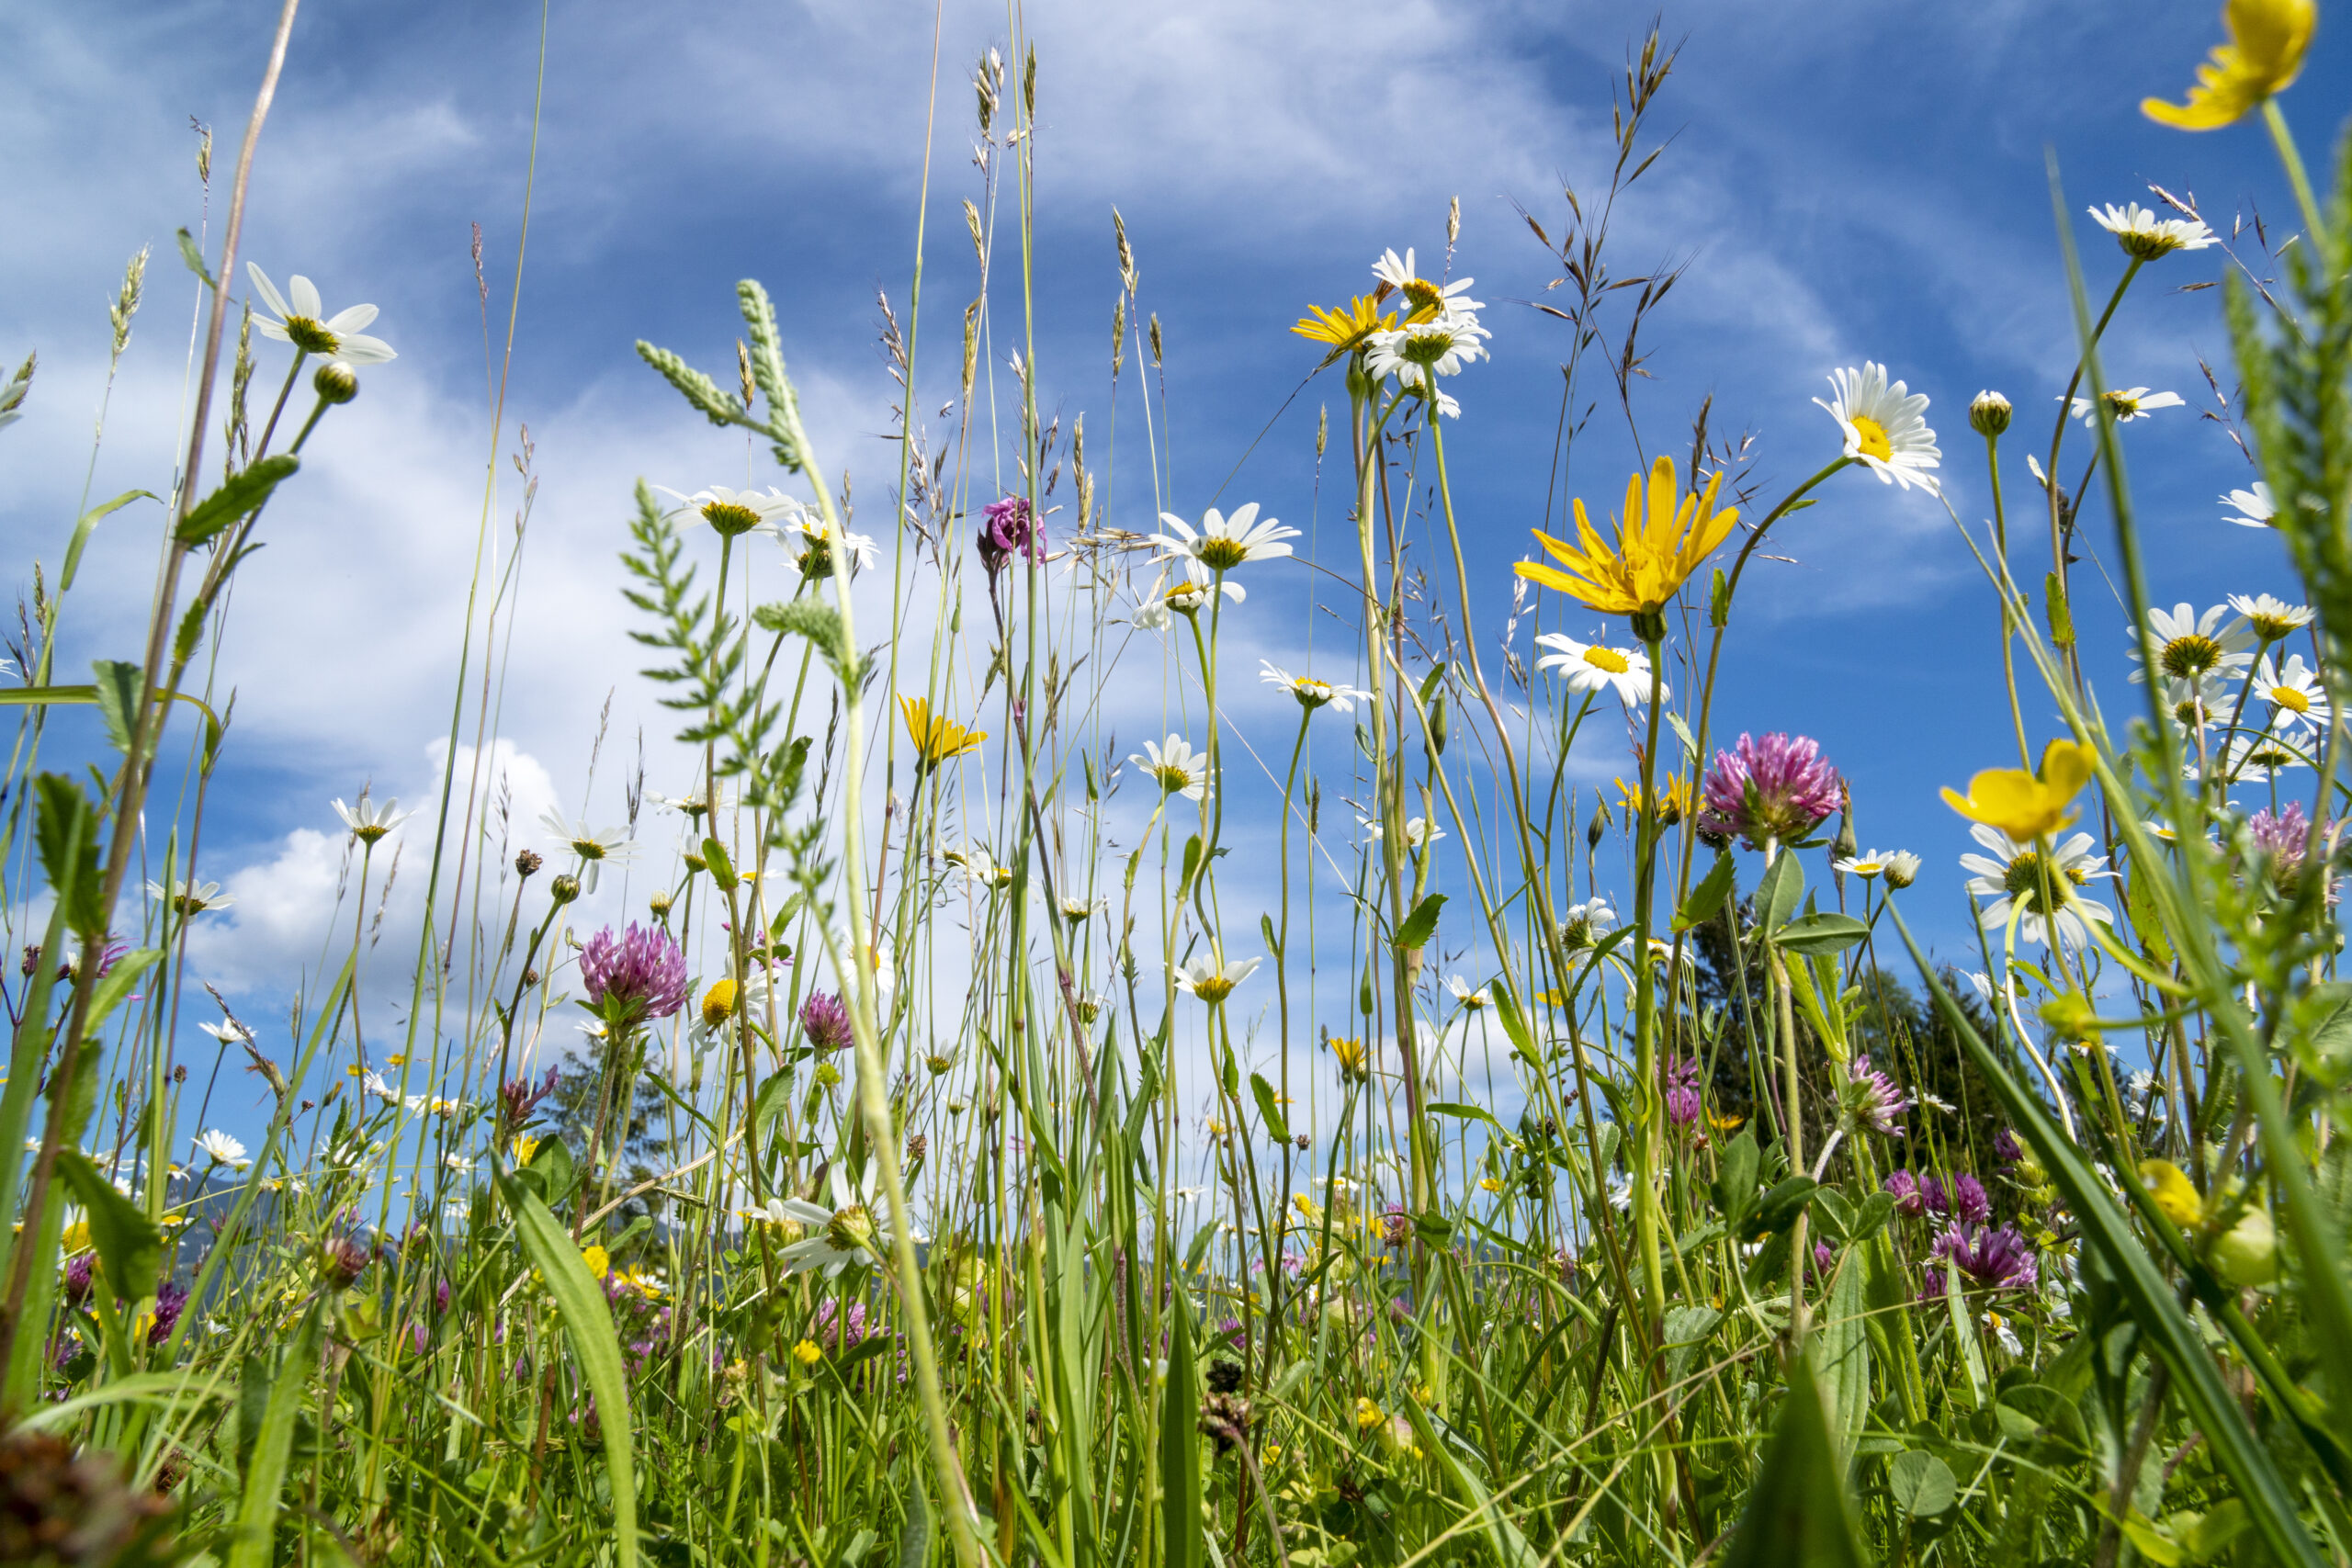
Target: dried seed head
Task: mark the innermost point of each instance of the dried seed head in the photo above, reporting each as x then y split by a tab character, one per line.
528	862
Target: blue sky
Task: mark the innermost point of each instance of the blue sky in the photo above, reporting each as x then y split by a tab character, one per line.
1845	181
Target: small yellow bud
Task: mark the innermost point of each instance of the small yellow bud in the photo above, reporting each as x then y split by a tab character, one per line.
807	1353
599	1261
2173	1192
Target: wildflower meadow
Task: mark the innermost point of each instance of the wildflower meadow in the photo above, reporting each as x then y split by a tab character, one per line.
895	1116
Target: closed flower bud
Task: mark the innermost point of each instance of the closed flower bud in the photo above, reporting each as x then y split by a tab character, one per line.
1989	414
2247	1253
660	904
564	888
335	382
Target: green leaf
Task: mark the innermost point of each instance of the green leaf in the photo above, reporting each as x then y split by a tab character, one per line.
589	1320
914	1536
1822	933
1778	894
194	258
1514	1023
1269	1107
239	497
1503	1538
1921	1484
1779	1207
722	868
1843	1343
550	1169
1734	1186
122	688
116	986
812	618
1708	896
84	528
257	1509
1180	1445
129	1244
1798	1515
1420	925
1466	1112
68	831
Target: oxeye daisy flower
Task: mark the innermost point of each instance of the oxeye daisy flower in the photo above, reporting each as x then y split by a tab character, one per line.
981	866
1440	345
222	1149
1174	766
302	320
937	738
2195	704
2021	805
2252	758
2012	876
2251	508
2267	41
1419	832
230	1032
1346	327
1423	298
2268	618
367	821
1471	997
1774	790
1884	427
2190	645
594	846
2130	403
2293	691
1900	868
813	554
1211	979
853	1230
1222	543
190	899
1663	535
2146	237
1311	692
730	513
1593	667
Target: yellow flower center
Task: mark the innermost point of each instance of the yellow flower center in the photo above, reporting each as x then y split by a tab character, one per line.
2287	697
2185	657
1213	990
309	336
1219	554
729	518
719	1004
1173	779
2124	405
1607	658
1870	437
1422	295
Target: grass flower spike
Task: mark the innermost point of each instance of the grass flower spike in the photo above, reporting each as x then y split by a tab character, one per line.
937	738
2026	805
2265	54
1884	425
302	320
1663	536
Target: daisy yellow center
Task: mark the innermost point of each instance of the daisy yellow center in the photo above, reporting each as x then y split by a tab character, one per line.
1868	867
588	849
368	833
1172	778
2188	656
2270	629
1607	658
2123	405
1313	693
1427	347
309	336
1214	989
2023	880
2270	756
2291	699
729	518
1422	295
1222	554
1870	436
852	1229
2190	713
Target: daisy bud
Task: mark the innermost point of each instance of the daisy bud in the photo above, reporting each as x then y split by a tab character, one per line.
2247	1253
660	904
335	382
1989	414
564	888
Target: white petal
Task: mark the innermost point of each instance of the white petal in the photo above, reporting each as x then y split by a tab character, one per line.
350	321
305	297
269	297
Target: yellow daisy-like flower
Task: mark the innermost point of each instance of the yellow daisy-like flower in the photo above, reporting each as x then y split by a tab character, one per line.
1368	1416
1663	536
599	1261
2022	805
1349	1055
525	1148
1346	327
936	739
2267	41
719	1004
807	1353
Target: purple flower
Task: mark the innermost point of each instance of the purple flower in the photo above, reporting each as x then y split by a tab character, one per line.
77	1278
1395	1225
518	1098
2279	836
1970	1206
825	1021
1682	1101
839	1330
1011	527
633	977
2005	1147
171	1300
1909	1201
1998	1259
1873	1099
1775	790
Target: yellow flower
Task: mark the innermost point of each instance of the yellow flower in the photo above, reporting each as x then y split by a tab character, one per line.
1679	794
1490	1184
2021	804
2267	40
525	1147
76	1238
1662	537
719	1004
1368	1416
599	1261
1349	1055
2173	1192
807	1353
1344	328
1726	1123
936	739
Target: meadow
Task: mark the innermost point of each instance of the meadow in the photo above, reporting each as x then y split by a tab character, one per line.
952	1157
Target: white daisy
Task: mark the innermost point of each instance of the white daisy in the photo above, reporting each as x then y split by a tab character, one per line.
2296	697
222	1149
2252	758
190	899
2144	236
1418	350
981	866
2196	703
306	325
1593	667
2135	402
812	552
2271	619
1222	543
1175	767
1883	426
853	1230
594	846
2250	508
1900	868
732	512
2014	880
229	1033
368	821
1424	298
1211	980
1419	832
2190	645
1472	998
2161	830
1311	692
